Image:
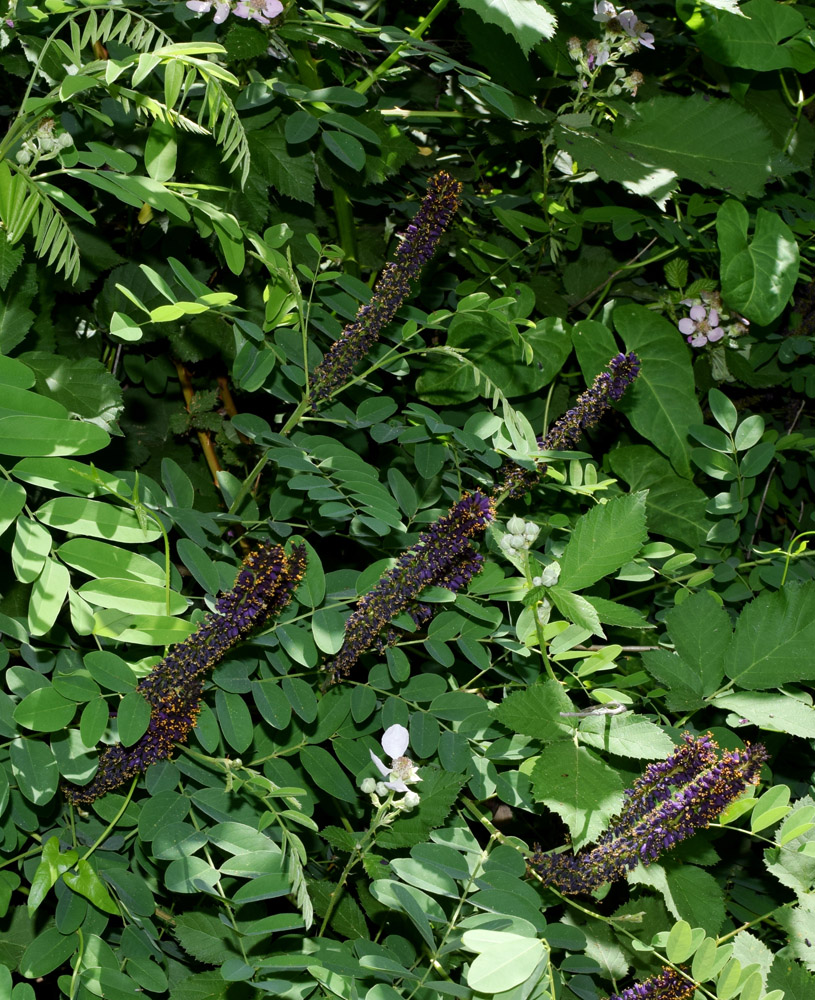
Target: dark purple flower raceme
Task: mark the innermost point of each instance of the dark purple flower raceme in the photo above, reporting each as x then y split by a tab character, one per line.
419	243
265	584
608	387
444	556
671	801
666	985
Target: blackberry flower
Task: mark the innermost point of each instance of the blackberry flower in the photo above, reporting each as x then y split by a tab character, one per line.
265	584
608	387
418	245
442	557
666	985
669	803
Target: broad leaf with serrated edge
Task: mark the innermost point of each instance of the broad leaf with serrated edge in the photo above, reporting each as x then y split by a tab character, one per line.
527	21
536	712
701	633
774	638
579	787
603	540
626	736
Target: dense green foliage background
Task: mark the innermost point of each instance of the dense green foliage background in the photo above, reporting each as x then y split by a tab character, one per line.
190	211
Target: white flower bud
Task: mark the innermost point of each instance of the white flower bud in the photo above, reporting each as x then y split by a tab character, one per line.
367	785
515	525
410	801
550	575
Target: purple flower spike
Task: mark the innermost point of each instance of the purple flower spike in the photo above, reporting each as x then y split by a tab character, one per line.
669	803
266	581
608	387
701	326
442	557
418	245
666	985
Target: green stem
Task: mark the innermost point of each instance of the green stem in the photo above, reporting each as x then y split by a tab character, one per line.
346	227
413	36
104	835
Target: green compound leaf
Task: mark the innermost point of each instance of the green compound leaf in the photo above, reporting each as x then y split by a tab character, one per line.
97	519
758	274
34	766
773	640
603	540
47	952
510	961
527	21
44	711
12	501
133	718
579	787
24	436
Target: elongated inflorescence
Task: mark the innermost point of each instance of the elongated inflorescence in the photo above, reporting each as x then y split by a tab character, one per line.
608	387
671	801
419	243
265	584
444	556
665	985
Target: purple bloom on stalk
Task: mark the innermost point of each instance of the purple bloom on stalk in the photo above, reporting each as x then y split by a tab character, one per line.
418	245
266	581
608	387
666	985
590	407
701	327
442	557
671	801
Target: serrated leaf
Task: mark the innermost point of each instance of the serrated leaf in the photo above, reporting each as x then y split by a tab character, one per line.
775	712
527	21
627	736
603	540
581	789
773	640
701	632
536	712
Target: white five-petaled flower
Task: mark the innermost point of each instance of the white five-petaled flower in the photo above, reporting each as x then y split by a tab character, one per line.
256	10
402	771
701	327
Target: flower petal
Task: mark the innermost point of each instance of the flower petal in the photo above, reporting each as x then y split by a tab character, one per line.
397	785
384	771
716	334
395	741
698	313
686	326
713	317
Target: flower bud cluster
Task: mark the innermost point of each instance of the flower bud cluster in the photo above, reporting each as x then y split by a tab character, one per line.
520	535
173	688
623	35
669	803
43	144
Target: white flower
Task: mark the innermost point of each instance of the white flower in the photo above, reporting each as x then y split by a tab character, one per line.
402	771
